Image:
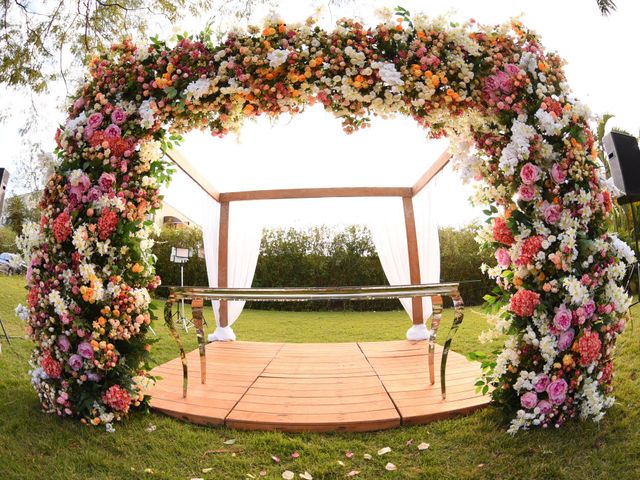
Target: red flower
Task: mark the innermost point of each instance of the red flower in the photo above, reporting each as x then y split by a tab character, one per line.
530	248
107	224
524	303
117	398
50	366
62	227
589	347
501	232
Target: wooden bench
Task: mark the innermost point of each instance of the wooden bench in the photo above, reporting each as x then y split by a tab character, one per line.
197	295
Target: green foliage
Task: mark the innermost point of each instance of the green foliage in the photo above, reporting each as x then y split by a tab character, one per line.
8	240
17	213
324	257
195	270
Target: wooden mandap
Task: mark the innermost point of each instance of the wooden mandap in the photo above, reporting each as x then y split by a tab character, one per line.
358	386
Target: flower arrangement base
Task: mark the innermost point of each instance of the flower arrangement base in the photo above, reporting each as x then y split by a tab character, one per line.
361	387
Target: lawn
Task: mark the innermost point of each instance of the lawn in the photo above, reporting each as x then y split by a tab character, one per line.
39	446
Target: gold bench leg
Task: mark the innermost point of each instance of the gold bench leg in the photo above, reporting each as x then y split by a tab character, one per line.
458	306
198	320
435	323
168	320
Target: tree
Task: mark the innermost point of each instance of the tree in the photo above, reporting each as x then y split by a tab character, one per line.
606	6
16	214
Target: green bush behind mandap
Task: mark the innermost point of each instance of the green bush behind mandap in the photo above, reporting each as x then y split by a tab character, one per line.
325	256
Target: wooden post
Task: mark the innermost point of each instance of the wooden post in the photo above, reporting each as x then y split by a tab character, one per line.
414	259
223	259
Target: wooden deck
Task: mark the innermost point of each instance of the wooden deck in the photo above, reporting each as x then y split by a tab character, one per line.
297	387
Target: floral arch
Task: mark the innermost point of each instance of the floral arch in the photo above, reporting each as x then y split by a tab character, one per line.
491	89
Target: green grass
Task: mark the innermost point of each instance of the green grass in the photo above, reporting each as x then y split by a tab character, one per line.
39	446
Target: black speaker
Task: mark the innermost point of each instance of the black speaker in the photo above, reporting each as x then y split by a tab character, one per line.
4	179
624	159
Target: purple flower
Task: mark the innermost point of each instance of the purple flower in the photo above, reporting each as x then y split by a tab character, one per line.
79	185
551	213
566	339
503	257
75	362
557	391
529	173
541	382
95	120
589	308
85	350
93	194
63	343
529	400
562	318
106	181
544	406
118	116
88	133
93	377
112	131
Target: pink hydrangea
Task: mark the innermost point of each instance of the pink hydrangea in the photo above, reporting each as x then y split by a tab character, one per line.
524	302
117	398
529	249
61	227
51	367
589	347
529	173
501	232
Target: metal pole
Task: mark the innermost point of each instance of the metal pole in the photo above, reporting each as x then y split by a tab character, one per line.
4	330
182	316
635	236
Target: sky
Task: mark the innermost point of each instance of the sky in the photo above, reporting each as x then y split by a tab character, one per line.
602	69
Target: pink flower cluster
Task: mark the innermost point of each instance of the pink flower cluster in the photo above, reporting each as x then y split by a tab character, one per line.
524	302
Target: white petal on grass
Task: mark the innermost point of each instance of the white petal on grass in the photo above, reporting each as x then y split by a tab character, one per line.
384	450
367	456
305	476
423	446
288	475
390	467
231	441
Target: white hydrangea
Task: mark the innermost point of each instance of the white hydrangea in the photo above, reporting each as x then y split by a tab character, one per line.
277	57
550	125
22	312
548	344
147	115
578	293
622	250
57	301
356	58
198	89
617	296
141	298
388	73
518	148
150	151
81	240
87	272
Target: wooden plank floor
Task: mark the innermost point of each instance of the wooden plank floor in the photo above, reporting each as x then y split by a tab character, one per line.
361	386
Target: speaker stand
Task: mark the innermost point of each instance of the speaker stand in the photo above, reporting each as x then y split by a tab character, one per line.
635	268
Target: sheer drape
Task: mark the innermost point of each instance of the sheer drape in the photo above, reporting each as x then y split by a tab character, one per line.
389	235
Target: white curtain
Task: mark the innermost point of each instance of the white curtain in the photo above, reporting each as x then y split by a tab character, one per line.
245	233
389	235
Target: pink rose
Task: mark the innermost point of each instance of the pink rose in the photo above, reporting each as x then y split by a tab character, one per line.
529	173
589	308
95	120
118	116
527	192
557	391
85	350
88	133
112	131
503	257
529	400
558	174
541	382
545	407
551	213
562	318
566	339
106	181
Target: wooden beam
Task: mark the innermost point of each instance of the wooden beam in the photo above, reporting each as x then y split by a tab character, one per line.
223	260
414	259
316	193
433	170
192	172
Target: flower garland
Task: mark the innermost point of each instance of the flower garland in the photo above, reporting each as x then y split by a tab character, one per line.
493	90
